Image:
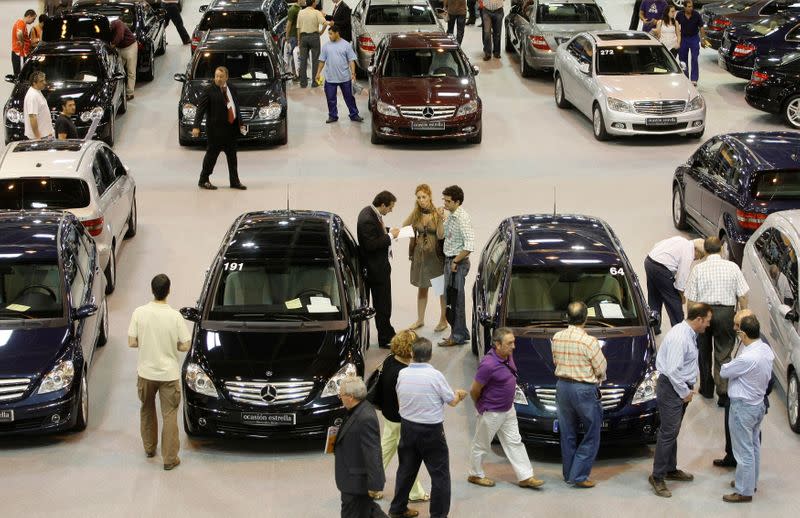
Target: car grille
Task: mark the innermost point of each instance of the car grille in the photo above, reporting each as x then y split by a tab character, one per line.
659	107
248	113
610	397
14	388
436	112
286	392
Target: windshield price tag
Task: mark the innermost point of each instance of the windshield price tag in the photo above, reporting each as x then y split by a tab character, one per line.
232	267
616	271
606	52
261	54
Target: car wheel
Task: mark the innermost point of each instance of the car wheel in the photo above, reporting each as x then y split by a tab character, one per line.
123	106
374	138
561	100
162	45
112	128
598	124
793	402
509	46
284	137
697	135
102	338
525	70
151	72
726	252
111	272
133	219
83	405
678	209
791	111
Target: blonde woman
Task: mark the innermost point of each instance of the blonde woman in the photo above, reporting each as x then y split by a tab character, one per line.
427	262
399	360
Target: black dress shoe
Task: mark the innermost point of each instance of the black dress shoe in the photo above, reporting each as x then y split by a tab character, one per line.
331	120
239	186
357	118
487	57
723	401
207	185
725	462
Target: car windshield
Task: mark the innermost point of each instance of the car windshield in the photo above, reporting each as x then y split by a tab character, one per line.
43	193
82	68
780	185
241	65
277	290
736	5
425	63
635	60
233	20
766	26
539	296
29	290
569	13
114	12
400	15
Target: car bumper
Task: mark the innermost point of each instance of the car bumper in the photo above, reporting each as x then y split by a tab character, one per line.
257	131
16	132
759	98
714	38
540	59
399	128
626	124
740	70
45	417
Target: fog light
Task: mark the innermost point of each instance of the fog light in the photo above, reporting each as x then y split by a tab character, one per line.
469	129
386	129
55	418
647	429
202	421
618	125
338	421
697	124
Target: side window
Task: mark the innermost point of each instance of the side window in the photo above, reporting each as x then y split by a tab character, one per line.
794	34
769	9
584	50
726	167
786	282
99	176
116	167
105	167
350	261
76	266
705	156
771	248
147	14
496	269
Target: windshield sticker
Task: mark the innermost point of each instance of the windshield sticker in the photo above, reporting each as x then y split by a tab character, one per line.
233	267
320	301
590	313
606	52
616	271
89	78
261	75
611	310
293	304
18	307
319	308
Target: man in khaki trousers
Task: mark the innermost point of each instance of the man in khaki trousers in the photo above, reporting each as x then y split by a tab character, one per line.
160	333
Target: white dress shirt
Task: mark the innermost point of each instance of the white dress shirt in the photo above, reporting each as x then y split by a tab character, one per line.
749	373
677	358
676	254
716	281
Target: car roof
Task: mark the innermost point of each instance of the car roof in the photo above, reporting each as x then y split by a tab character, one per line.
235	39
121	3
562	240
547	2
398	2
792	217
28	236
769	149
611	38
53	158
421	40
70	46
236	5
282	234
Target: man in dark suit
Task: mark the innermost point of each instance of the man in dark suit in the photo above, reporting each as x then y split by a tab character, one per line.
220	105
341	18
375	241
359	465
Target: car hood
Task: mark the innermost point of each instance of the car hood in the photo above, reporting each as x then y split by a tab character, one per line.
30	352
86	95
647	87
251	93
420	91
287	355
628	358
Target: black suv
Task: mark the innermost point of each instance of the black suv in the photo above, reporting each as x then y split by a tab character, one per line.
281	320
255	68
53	314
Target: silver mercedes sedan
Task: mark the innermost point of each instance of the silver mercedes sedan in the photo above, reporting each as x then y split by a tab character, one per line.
535	28
627	83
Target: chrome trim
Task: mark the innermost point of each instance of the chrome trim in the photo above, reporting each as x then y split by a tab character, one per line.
659	107
248	113
611	398
249	392
416	112
13	388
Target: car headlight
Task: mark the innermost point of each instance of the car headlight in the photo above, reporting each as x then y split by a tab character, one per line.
59	378
189	110
270	112
646	391
519	396
387	109
618	105
332	387
466	109
695	104
95	113
198	380
14	115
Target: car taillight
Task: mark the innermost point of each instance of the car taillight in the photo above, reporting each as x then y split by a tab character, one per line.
750	220
758	77
93	226
366	44
719	24
538	42
195	41
140	45
275	38
743	49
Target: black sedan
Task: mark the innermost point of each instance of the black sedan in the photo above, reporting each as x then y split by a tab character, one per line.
255	68
281	321
717	24
232	14
732	183
76	67
149	25
775	87
772	36
531	269
53	314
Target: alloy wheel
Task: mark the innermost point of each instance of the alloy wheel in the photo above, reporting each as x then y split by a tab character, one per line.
84	399
559	91
105	319
792	402
677	209
597	121
793	112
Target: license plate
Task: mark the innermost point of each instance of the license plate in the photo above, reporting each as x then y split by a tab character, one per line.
664	121
259	419
603	426
427	125
6	416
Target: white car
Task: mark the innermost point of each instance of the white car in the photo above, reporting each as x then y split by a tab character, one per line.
85	178
627	83
770	267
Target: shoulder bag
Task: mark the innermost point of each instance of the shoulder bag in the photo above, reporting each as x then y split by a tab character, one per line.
374	391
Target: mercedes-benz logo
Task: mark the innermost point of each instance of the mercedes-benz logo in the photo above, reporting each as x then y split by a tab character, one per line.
269	393
427	112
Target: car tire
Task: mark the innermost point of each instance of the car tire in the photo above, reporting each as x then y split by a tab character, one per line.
112	129
374	138
82	408
678	209
791	111
162	45
111	272
599	124
698	135
558	92
151	72
477	138
283	139
123	106
133	220
475	331
793	402
102	338
525	70
509	46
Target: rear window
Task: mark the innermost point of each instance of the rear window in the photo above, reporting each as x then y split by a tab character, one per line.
400	15
777	185
43	193
569	13
114	12
234	20
74	27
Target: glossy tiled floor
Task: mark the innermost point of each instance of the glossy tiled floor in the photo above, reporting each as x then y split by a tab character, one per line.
529	149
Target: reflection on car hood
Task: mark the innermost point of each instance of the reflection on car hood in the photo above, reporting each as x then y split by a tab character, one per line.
86	95
250	92
403	91
30	352
647	87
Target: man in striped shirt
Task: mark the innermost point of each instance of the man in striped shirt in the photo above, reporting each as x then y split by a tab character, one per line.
459	243
580	368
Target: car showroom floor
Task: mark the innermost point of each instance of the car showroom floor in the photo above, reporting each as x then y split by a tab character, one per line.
530	151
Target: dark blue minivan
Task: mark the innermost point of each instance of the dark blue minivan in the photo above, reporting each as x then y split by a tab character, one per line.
532	267
53	314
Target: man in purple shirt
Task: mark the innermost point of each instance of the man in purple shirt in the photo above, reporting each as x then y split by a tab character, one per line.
493	391
124	41
650	12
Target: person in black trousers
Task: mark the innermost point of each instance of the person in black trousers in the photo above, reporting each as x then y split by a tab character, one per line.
173	10
375	241
221	104
341	19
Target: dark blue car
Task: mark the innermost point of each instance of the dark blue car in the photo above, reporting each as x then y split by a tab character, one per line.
732	182
771	36
532	267
51	287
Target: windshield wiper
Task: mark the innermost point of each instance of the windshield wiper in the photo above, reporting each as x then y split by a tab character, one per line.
279	317
14	314
599	322
546	323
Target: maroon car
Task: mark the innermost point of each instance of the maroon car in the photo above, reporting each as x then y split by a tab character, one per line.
422	87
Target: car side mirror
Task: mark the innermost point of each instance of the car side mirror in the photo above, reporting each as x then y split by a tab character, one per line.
371	69
476	69
286	76
584	68
181	78
485	319
790	314
361	314
190	314
203	8
84	311
11	78
683	65
119	76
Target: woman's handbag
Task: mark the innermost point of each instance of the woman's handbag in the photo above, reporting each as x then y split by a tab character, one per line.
374	392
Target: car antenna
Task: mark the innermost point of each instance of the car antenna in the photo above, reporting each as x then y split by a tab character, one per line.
287	198
554	202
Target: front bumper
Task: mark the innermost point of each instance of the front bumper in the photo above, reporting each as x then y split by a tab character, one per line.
16	132
257	131
43	417
399	128
626	124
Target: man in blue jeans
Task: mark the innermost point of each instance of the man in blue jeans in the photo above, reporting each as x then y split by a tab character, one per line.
459	242
492	18
692	33
338	59
580	368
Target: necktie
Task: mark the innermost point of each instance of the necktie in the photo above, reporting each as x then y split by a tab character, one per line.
231	115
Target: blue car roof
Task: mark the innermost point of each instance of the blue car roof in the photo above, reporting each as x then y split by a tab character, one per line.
282	234
769	149
29	236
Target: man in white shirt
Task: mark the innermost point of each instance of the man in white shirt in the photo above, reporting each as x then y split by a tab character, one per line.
667	269
160	333
35	111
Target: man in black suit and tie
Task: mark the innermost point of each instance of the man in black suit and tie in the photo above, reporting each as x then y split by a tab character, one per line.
375	241
220	104
359	465
341	18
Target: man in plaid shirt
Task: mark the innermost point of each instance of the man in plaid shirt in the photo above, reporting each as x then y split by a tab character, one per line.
721	285
459	243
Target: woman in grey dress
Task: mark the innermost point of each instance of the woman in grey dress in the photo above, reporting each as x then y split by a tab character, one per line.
424	253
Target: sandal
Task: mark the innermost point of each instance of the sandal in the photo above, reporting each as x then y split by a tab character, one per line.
416	325
441	327
425	498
